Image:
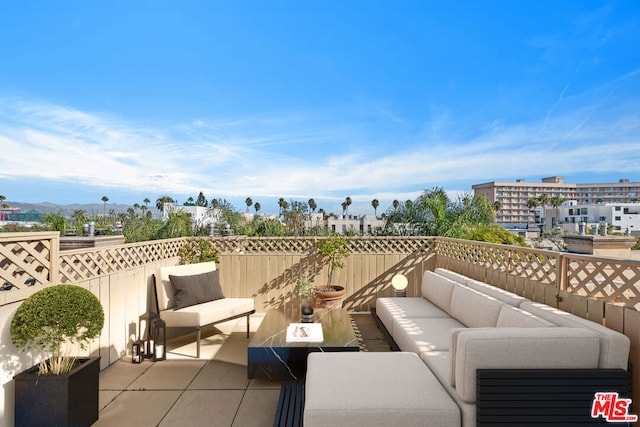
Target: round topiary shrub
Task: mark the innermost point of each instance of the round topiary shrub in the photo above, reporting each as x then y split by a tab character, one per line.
55	316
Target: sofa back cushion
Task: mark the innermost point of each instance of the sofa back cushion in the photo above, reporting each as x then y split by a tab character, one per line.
513	317
499	294
456	277
614	346
474	309
165	291
438	290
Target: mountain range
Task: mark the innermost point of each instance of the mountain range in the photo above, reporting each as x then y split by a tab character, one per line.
89	208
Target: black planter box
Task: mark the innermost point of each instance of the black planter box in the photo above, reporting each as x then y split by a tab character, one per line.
58	400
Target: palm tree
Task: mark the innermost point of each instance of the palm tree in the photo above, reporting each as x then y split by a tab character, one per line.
78	216
543	200
104	199
257	207
344	207
282	204
396	204
375	203
556	201
249	202
313	205
146	201
161	201
347	202
532	204
136	206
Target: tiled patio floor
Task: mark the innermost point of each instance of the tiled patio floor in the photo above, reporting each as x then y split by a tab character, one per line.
210	391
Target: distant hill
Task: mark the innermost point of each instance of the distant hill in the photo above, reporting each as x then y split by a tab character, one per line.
89	208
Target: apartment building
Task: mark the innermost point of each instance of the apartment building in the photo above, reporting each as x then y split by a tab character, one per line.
621	217
513	196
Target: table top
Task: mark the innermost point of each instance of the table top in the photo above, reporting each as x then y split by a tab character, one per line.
336	328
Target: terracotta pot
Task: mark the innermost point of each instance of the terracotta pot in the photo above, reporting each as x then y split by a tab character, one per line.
330	299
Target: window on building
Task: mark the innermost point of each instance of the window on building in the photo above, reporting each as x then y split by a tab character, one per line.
584	211
617	208
618	218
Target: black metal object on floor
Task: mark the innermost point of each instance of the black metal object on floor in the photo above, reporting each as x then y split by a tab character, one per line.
290	409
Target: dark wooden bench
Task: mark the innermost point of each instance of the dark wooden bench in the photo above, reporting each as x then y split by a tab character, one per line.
290	405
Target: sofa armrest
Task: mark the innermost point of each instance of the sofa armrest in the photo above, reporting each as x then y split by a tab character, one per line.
520	348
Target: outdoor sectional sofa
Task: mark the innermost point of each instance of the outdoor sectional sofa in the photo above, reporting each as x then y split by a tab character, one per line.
457	329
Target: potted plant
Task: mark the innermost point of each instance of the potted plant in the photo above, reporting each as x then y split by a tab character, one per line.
63	389
334	249
306	291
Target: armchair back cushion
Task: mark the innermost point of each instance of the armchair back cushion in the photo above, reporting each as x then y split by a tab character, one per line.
438	290
196	289
165	291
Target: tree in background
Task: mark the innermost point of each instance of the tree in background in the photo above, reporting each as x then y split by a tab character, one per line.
248	201
201	201
161	201
104	199
257	207
375	203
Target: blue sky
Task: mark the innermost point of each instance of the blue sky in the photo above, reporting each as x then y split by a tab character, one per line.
313	99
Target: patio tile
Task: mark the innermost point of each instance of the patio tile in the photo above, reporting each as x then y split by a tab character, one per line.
235	349
105	397
137	409
119	375
221	375
204	408
168	375
258	408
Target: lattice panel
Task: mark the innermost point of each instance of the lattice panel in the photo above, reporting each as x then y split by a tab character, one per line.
523	262
88	263
604	279
25	262
305	245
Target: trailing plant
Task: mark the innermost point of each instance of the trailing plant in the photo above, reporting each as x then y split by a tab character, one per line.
336	249
198	250
54	318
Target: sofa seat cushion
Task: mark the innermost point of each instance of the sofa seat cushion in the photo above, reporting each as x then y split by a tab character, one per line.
374	389
438	363
388	309
424	334
614	346
474	309
208	312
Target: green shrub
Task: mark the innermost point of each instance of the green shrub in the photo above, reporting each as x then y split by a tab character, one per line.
53	317
198	250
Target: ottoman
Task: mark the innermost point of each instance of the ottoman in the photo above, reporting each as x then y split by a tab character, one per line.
375	389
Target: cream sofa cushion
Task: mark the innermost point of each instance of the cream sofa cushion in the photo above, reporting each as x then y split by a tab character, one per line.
520	348
512	317
614	346
493	291
474	309
374	389
438	289
388	309
424	334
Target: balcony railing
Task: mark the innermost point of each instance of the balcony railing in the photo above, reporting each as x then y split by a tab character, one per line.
604	290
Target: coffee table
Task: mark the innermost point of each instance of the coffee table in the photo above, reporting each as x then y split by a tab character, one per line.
271	357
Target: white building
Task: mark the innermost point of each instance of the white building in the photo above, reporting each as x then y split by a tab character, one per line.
201	216
366	224
621	217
